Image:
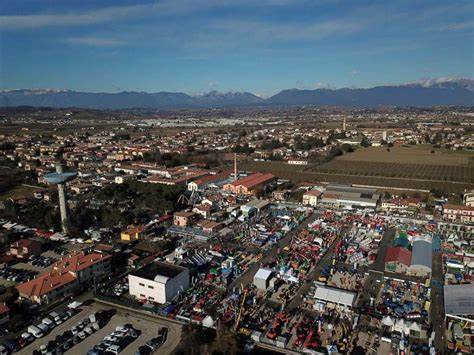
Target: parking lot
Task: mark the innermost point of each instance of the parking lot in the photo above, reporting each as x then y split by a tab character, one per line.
147	325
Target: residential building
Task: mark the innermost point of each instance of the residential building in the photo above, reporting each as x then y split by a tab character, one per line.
24	248
65	277
183	218
311	197
468	198
132	233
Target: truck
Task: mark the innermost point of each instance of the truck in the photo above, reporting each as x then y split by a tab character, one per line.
35	331
48	322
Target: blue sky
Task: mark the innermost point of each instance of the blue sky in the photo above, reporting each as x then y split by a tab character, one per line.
261	46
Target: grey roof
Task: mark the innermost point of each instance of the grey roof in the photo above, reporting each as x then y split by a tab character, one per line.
459	300
60	178
422	253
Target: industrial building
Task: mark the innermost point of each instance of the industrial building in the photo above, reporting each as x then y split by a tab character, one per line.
350	197
397	259
336	296
262	278
421	260
158	282
459	300
251	185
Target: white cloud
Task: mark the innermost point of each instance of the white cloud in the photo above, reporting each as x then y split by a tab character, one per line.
96	41
115	13
289	31
459	26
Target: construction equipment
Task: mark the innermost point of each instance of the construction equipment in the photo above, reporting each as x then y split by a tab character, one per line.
240	310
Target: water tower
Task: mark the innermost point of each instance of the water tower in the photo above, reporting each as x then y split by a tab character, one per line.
60	178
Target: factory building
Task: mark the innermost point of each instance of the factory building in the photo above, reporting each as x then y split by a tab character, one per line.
421	260
158	282
251	185
262	278
350	197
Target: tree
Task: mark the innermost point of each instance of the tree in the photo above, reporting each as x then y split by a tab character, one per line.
365	142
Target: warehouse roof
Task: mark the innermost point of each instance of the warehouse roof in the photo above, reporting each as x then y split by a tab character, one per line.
159	271
422	253
335	295
458	299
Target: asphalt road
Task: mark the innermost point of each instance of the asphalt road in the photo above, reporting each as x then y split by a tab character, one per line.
314	275
437	304
376	269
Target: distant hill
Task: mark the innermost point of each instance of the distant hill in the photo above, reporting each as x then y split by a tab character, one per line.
428	93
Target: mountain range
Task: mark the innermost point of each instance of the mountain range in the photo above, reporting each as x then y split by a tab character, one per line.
455	92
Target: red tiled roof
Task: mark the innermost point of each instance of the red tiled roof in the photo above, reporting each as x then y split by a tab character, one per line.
210	178
63	272
458	207
4	308
398	254
24	243
253	180
316	193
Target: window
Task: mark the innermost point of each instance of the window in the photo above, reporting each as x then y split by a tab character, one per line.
142	296
151	298
150	287
141	284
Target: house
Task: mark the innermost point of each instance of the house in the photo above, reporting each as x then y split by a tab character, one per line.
468	198
183	218
65	277
24	248
253	184
203	210
210	226
397	259
311	197
158	282
132	233
408	204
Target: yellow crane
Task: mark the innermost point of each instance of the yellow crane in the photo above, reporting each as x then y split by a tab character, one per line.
240	310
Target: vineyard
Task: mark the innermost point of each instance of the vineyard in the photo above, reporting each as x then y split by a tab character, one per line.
414	176
464	174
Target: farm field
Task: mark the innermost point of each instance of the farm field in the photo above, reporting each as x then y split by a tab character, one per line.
418	154
455	173
448	178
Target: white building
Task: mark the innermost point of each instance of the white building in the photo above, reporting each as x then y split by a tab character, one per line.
262	278
311	197
337	296
158	282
